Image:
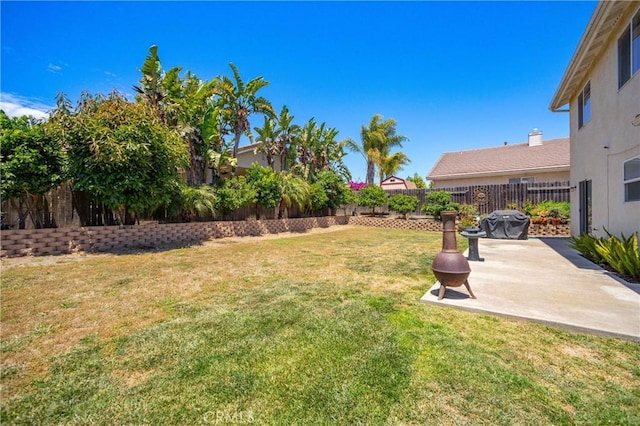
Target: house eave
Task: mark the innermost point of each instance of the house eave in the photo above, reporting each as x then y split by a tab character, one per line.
514	172
592	43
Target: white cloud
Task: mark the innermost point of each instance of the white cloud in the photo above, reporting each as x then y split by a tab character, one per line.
16	106
109	74
54	68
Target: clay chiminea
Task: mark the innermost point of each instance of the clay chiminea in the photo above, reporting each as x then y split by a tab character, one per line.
450	267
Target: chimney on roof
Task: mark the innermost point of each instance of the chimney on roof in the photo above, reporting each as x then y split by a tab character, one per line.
535	137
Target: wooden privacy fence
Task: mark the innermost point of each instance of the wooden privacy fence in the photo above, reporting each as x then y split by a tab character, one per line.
496	197
62	208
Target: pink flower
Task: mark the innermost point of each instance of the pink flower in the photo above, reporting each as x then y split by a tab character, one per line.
356	186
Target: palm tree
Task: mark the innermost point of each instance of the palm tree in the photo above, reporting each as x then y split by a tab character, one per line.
237	101
295	190
376	142
215	151
180	103
268	140
391	164
286	133
149	90
329	153
197	201
316	149
305	139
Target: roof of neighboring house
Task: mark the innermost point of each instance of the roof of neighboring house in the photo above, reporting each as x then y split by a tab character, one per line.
248	148
594	40
395	180
552	155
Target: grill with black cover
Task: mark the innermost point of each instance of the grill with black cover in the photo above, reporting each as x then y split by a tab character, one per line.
506	225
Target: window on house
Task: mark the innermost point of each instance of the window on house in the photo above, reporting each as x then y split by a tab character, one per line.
529	179
632	179
629	51
584	105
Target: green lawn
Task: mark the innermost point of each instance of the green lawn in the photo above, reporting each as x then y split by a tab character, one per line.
317	329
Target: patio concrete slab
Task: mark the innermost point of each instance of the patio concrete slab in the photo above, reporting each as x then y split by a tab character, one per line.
544	280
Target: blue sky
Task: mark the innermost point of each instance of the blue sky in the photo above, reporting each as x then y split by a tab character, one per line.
455	75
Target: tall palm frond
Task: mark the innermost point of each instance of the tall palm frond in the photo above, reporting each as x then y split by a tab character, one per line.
287	133
376	142
295	190
390	165
238	101
268	140
198	201
149	88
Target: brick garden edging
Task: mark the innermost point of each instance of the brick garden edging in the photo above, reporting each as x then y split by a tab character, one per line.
52	241
436	226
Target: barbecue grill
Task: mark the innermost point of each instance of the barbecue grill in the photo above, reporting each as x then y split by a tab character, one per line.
506	225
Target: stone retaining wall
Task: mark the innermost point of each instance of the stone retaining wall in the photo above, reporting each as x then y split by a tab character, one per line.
436	226
409	224
54	241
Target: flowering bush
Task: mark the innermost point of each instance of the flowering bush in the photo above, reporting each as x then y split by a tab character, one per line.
356	186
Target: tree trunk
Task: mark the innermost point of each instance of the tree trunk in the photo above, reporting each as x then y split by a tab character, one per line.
370	172
17	204
236	143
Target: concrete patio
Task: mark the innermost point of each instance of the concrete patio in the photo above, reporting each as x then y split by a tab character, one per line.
544	280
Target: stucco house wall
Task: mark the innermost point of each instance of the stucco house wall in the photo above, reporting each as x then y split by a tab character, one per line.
600	148
247	156
559	176
394	182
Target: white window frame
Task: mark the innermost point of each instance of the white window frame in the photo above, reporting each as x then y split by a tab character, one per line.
627	180
629	51
584	105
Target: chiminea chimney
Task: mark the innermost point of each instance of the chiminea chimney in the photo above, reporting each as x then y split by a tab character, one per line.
535	137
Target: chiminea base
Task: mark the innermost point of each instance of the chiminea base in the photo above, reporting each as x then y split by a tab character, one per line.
443	289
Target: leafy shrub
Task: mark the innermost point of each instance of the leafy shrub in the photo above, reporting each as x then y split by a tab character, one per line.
438	201
620	253
233	194
512	206
528	207
33	162
318	198
372	196
334	186
467	213
544	212
403	204
267	186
